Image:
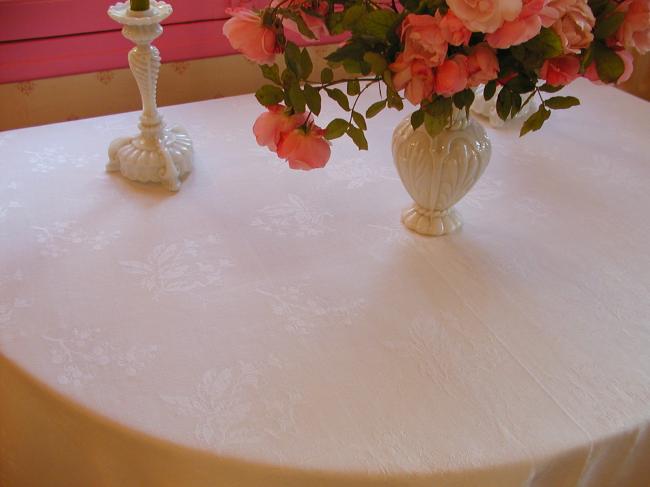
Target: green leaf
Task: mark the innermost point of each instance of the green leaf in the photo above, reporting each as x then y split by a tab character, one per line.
586	58
516	104
352	15
375	108
377	24
504	103
335	23
464	99
292	58
489	90
561	102
353	87
339	97
393	99
272	73
313	98
609	66
607	27
349	51
306	66
417	119
359	120
535	121
357	137
302	27
598	7
269	95
547	43
336	128
550	88
326	76
352	66
297	98
388	79
520	84
376	61
434	124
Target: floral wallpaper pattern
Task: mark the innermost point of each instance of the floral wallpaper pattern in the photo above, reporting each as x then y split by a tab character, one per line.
73	97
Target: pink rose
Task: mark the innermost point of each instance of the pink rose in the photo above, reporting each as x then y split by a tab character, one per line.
591	73
485	15
246	34
482	65
315	23
423	39
634	33
453	30
271	125
573	21
305	149
451	76
526	26
560	71
416	77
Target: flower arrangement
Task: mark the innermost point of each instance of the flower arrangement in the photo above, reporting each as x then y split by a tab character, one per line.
433	53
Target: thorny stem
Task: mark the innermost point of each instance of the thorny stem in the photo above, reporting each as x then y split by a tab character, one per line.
540	97
345	80
354	105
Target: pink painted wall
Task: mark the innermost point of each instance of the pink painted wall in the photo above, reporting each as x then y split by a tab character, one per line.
46	38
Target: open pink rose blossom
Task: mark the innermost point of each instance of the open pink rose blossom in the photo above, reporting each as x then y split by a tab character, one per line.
315	23
273	124
305	149
485	15
415	77
573	21
423	39
634	32
248	35
526	26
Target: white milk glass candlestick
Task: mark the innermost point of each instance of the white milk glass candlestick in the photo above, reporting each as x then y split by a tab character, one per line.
157	154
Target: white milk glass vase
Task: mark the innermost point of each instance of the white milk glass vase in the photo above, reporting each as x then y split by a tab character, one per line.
438	171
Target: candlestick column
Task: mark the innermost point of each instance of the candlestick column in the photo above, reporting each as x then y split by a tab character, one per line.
157	154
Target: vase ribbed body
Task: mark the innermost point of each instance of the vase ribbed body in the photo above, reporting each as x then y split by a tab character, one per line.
438	171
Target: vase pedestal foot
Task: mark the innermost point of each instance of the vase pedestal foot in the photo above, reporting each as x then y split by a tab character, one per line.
431	222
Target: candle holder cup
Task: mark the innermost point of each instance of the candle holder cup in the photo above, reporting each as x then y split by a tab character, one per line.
157	154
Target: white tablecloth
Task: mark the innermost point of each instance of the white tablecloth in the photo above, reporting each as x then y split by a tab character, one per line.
265	327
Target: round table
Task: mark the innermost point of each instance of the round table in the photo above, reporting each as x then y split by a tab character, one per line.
266	327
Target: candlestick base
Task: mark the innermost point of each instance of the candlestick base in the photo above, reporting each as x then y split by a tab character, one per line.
163	160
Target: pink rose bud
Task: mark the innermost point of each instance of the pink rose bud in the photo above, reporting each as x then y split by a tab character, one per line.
482	65
246	33
560	71
453	30
451	76
271	125
305	150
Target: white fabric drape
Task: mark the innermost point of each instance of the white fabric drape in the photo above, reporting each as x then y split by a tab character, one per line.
265	327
